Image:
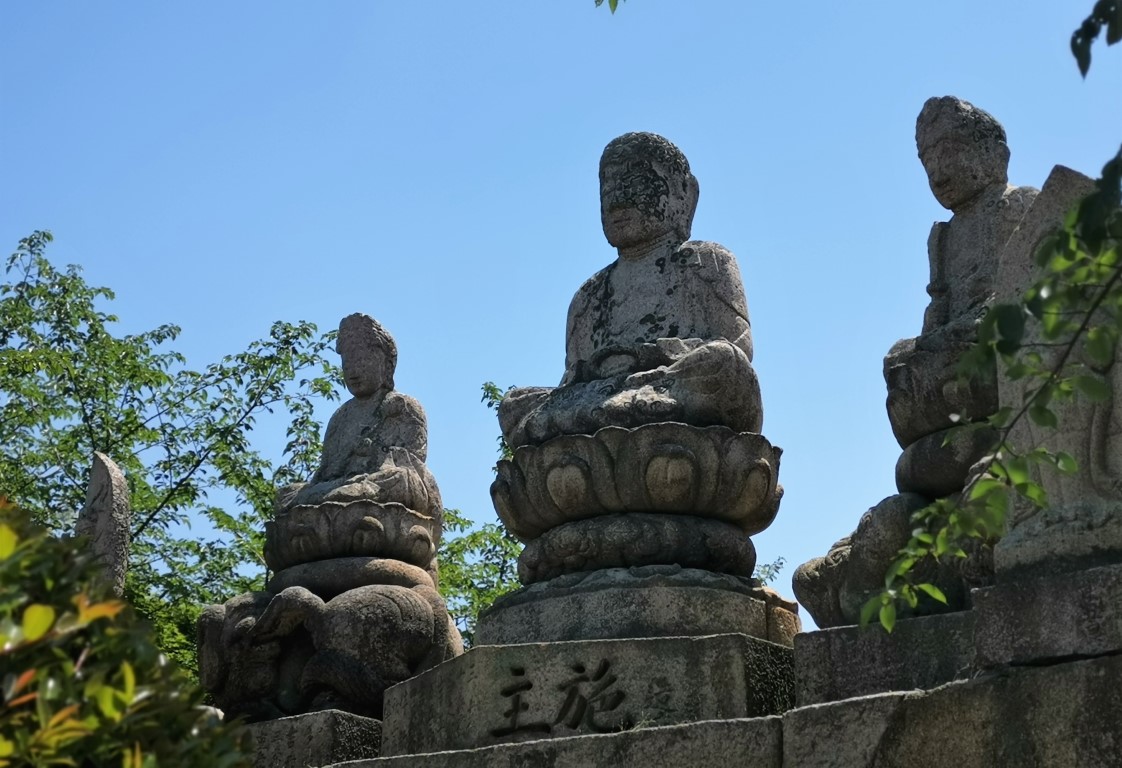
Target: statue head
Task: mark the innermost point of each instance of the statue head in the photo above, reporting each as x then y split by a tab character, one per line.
369	355
962	148
646	190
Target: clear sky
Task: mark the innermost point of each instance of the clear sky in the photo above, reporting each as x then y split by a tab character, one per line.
225	165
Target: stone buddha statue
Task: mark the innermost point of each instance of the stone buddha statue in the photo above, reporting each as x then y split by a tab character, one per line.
377	442
963	149
662	333
351	607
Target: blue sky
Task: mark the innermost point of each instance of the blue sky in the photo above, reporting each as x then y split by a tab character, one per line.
225	165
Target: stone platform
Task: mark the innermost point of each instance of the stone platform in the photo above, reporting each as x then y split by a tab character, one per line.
650	601
497	694
1029	717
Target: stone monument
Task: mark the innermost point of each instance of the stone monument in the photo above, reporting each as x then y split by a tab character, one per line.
964	152
105	519
635	484
351	607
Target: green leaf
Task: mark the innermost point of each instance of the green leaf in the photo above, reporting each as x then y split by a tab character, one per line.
933	591
869	608
8	541
888	616
1099	344
1010	319
1066	463
941	542
1093	387
1043	416
37	621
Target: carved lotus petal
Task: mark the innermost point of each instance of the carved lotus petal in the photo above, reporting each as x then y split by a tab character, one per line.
671	479
306	534
709	472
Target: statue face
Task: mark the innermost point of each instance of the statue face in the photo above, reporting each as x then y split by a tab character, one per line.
636	202
958	169
365	371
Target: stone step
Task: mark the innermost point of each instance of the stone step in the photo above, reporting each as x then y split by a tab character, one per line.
745	743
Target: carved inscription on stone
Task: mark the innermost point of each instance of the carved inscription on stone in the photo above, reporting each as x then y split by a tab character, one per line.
587	701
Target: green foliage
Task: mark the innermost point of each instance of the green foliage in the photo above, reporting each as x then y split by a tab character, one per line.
1106	13
69	386
1059	340
81	682
492	396
476	568
767	573
612	4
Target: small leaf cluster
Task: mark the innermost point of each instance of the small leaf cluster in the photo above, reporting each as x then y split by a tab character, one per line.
81	682
1059	340
492	397
477	566
612	4
1106	13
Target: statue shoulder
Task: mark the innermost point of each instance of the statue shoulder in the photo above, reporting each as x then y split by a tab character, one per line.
398	404
714	263
594	288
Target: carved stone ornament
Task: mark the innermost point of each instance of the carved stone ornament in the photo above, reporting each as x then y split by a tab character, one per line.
306	534
710	472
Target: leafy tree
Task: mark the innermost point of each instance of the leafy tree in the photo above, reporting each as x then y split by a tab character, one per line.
477	566
70	386
81	682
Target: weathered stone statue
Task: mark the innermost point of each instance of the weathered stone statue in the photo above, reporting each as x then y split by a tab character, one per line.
377	442
660	334
352	606
635	485
648	453
964	151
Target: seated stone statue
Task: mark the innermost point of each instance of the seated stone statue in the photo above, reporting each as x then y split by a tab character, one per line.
376	443
662	333
964	152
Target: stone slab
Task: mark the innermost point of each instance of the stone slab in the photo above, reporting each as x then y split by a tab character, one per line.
1054	617
838	735
498	694
652	601
1028	717
750	743
314	739
844	662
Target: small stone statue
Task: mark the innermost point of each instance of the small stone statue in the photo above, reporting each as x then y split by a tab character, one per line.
352	606
662	333
964	151
377	442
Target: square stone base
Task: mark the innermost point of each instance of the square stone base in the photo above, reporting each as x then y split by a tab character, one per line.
509	693
1053	617
843	662
314	739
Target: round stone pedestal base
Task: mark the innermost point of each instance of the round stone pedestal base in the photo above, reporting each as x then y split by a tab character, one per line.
650	601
